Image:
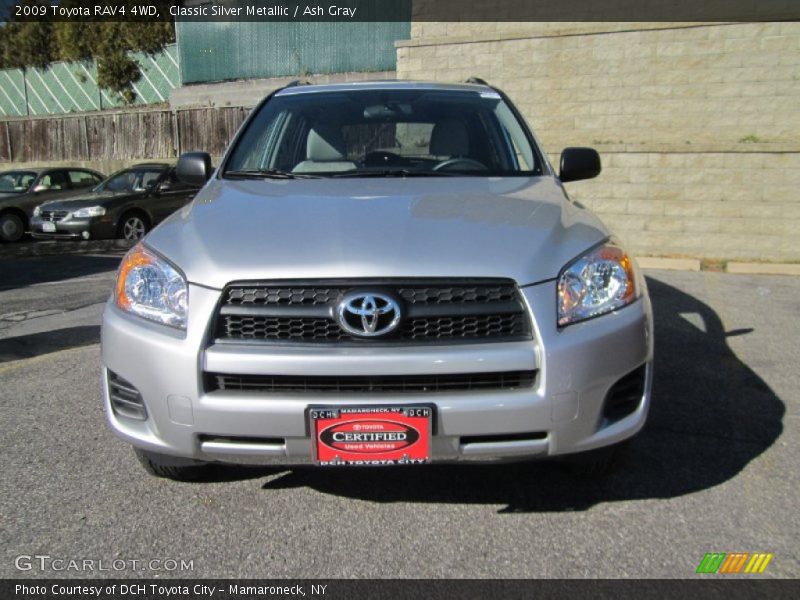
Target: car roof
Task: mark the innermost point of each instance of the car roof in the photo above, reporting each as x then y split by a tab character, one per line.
39	170
36	170
22	170
383	84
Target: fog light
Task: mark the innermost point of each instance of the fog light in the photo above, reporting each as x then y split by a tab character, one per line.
85	235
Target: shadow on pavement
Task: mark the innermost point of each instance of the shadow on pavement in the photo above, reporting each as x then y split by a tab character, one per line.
27	346
22	272
711	415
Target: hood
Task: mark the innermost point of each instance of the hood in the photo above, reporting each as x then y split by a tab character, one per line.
81	199
520	228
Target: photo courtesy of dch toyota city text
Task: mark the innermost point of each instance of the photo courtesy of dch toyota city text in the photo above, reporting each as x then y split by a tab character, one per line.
399	298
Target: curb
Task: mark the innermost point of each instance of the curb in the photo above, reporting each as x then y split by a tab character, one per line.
734	268
671	264
764	268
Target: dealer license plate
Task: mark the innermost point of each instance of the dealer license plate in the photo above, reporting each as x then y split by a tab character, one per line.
48	227
371	435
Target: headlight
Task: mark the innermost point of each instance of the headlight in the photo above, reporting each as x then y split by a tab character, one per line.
150	287
602	280
89	211
37	211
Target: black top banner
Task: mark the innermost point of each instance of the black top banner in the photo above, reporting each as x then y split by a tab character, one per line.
403	10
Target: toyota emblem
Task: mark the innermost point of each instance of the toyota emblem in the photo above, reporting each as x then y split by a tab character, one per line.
368	314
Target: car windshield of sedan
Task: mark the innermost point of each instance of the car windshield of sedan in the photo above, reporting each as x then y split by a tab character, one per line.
130	180
384	133
16	181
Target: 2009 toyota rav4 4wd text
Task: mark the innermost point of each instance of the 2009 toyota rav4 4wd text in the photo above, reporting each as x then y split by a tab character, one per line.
378	273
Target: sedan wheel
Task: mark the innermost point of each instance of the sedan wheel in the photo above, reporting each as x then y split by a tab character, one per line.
11	228
134	228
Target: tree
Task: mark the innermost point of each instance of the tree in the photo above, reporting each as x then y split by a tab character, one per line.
27	45
109	43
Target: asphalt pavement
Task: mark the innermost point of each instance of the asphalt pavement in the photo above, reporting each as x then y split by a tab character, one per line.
715	470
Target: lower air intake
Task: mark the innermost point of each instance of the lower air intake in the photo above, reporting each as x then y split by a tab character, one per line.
126	401
459	382
625	395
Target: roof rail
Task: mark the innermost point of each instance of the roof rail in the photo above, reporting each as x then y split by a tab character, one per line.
477	80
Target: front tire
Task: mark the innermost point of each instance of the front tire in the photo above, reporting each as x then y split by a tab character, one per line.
168	467
12	227
133	226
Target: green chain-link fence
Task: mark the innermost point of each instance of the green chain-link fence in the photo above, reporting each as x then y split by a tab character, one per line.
224	51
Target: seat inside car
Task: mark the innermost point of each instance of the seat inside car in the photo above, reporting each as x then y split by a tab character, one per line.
449	139
325	151
150	178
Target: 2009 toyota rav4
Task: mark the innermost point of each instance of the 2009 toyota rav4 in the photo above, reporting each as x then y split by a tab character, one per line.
378	274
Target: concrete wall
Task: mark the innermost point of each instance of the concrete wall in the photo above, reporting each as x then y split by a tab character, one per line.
698	125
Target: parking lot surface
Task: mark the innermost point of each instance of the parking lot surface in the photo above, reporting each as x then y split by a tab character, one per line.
715	469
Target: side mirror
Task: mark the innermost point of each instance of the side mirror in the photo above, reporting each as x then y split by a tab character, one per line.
194	168
579	163
164	186
40	188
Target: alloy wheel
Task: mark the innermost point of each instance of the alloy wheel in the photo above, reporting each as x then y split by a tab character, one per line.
133	228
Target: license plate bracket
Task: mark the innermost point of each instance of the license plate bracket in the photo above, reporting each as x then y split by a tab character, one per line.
382	435
48	227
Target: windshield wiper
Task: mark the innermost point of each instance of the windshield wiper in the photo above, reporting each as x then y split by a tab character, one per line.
267	174
394	173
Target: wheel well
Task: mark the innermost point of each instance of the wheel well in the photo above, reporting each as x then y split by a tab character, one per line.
130	212
16	211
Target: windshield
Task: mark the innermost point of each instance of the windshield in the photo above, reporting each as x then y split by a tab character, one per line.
385	133
16	181
130	180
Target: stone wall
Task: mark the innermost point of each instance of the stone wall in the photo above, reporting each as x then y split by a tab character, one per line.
698	124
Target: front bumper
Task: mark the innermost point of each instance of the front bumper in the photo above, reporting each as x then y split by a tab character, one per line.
97	228
563	412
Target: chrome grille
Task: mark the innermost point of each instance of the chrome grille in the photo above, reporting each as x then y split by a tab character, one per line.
441	311
54	215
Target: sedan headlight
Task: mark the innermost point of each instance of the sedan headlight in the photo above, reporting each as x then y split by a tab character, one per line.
89	211
602	280
151	288
37	211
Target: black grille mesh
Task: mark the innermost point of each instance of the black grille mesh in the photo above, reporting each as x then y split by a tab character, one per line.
480	326
444	312
372	384
422	294
281	328
327	330
286	296
472	294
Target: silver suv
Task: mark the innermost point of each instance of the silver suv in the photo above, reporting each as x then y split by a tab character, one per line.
383	273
